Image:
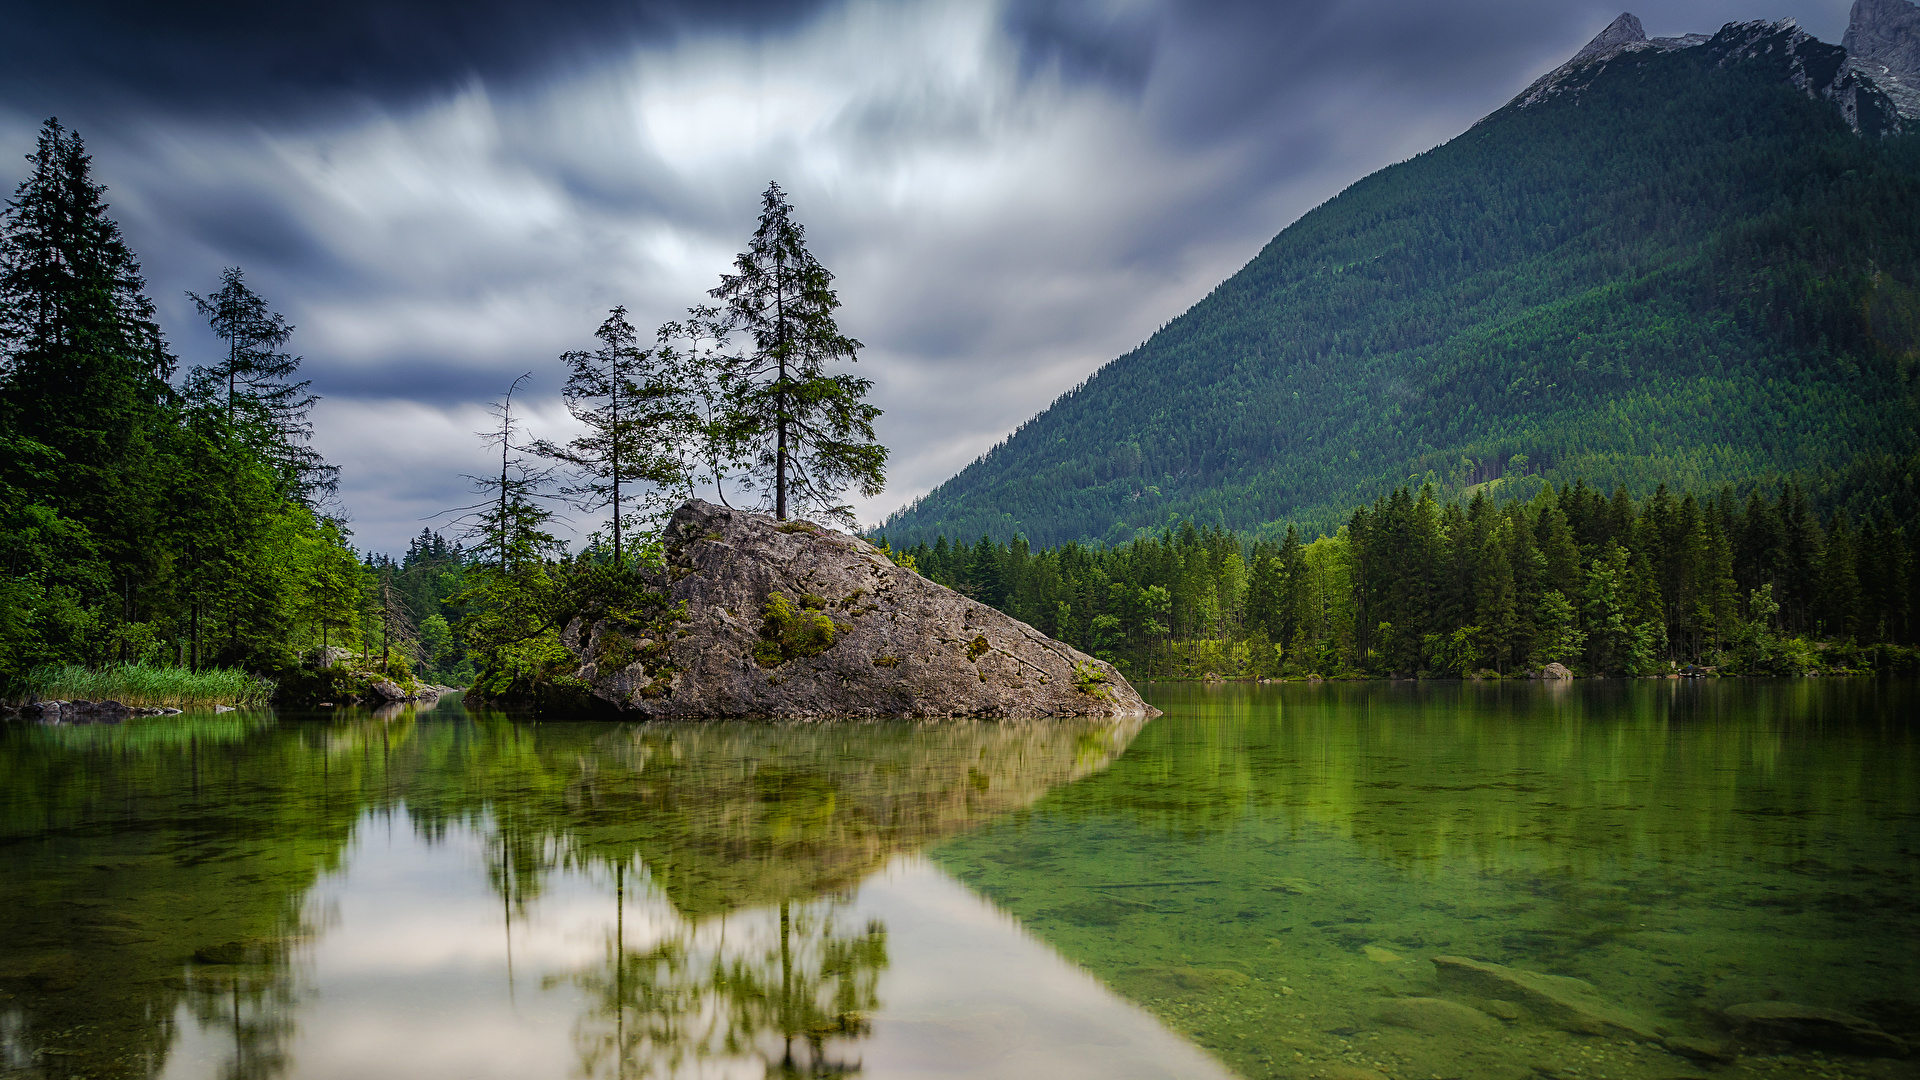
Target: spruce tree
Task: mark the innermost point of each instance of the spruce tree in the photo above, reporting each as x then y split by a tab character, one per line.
252	387
83	388
638	422
810	432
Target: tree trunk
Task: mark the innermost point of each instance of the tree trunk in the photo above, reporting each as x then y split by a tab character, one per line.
780	396
613	448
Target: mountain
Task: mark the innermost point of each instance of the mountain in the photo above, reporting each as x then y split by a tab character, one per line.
1685	260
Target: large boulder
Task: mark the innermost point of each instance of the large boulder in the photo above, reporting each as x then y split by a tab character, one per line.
796	621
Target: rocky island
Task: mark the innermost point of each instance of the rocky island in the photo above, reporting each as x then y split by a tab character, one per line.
792	620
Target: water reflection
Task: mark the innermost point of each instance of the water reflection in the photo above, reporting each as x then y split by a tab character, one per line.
1265	866
250	896
793	988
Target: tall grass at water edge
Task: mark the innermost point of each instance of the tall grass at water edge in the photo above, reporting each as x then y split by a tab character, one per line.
144	685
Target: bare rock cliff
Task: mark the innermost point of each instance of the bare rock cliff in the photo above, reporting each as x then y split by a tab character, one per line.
1883	43
796	621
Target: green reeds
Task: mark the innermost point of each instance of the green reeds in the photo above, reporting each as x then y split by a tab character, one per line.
139	684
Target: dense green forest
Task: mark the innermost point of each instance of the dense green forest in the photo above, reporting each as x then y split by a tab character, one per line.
144	519
1607	585
176	520
1689	272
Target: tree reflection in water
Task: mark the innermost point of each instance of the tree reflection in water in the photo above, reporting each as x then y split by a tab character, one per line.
790	986
158	877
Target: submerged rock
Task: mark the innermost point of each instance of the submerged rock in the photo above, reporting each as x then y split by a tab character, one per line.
793	620
1438	1016
1708	1051
1567	1003
1810	1026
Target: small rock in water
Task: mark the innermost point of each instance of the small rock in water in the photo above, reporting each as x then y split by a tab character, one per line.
1570	1004
1379	955
1711	1051
1811	1026
222	708
1437	1016
1505	1010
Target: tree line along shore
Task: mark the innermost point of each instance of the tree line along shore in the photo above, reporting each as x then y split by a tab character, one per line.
1410	586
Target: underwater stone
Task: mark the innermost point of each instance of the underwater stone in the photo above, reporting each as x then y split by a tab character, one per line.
1438	1016
1811	1026
1709	1051
1567	1003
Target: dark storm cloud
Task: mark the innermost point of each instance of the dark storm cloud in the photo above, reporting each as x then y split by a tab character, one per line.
1085	41
244	57
1011	193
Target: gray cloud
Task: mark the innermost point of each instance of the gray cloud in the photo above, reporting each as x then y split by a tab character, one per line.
1011	193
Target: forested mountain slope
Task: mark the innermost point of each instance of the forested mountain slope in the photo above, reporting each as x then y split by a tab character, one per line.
1687	262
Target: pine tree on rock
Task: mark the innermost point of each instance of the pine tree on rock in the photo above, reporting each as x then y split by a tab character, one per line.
810	432
637	421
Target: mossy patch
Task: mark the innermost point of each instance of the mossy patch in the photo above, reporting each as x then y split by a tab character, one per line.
799	527
977	648
616	651
1092	682
886	661
789	633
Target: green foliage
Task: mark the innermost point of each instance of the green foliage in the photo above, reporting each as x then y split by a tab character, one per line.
515	618
1689	272
1412	586
898	558
790	634
145	685
1092	681
139	523
1559	634
806	435
634	407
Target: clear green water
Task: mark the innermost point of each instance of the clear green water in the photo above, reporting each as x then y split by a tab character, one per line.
1248	885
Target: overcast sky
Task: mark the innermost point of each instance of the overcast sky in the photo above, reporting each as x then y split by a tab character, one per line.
444	195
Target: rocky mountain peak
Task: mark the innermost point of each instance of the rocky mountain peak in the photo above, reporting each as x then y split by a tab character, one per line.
1883	43
1625	30
1869	100
1622	35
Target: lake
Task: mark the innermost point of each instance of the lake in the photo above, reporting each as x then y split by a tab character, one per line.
1254	884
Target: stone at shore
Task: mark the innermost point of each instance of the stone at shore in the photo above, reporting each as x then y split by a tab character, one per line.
1784	1021
759	597
1566	1003
1555	671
